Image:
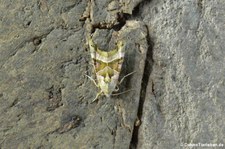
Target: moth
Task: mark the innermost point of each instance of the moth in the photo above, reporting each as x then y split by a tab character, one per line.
107	66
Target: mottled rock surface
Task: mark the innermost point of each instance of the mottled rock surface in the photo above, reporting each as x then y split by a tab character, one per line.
185	97
177	93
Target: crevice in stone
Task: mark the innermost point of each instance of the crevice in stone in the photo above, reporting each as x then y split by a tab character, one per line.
67	125
68	8
14	102
153	89
121	19
116	25
200	5
37	41
74	122
114	135
137	11
145	80
28	38
54	98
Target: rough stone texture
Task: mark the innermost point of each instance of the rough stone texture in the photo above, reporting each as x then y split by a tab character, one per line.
185	96
45	97
174	47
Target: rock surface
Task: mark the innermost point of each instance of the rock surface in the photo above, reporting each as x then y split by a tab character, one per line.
184	101
177	91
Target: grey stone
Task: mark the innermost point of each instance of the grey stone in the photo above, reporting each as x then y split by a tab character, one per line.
183	103
176	94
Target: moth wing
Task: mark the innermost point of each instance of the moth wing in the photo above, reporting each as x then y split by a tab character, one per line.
92	48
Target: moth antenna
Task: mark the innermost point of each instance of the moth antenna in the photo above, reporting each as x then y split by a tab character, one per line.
96	97
91	91
92	80
122	92
126	76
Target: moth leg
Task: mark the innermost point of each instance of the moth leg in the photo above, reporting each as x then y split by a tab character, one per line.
126	76
92	80
98	94
122	92
117	88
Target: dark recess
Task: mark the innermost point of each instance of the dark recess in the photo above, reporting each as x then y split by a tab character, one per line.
145	79
136	13
70	124
37	41
54	98
121	18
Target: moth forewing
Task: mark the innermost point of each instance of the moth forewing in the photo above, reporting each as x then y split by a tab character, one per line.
107	67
